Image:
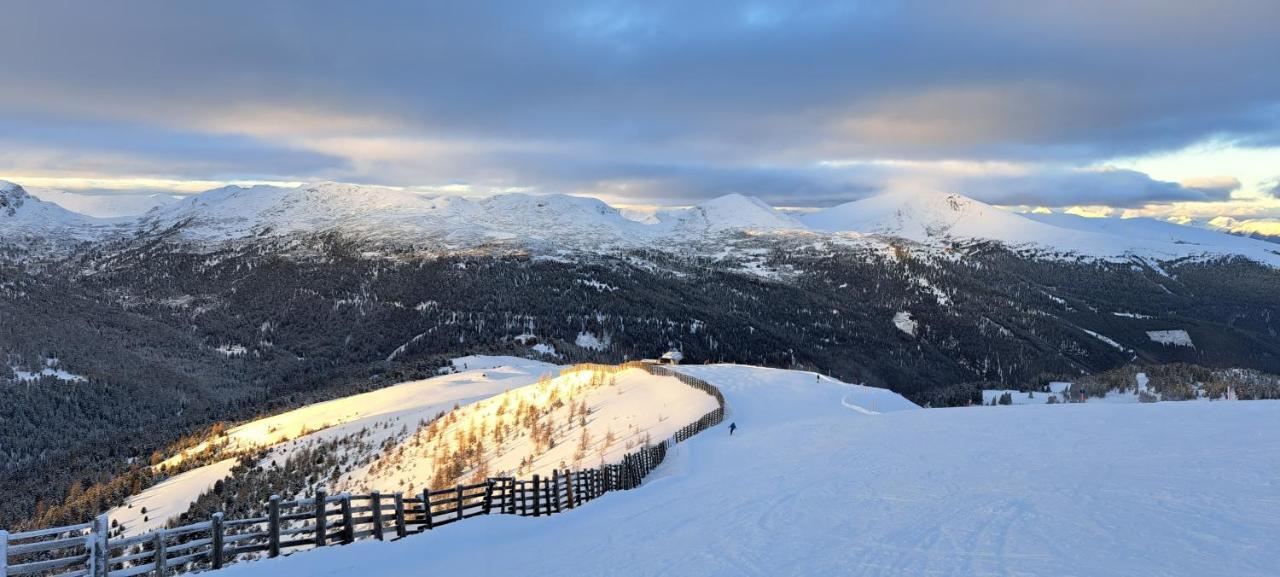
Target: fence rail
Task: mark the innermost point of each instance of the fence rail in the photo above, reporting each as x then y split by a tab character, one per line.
86	550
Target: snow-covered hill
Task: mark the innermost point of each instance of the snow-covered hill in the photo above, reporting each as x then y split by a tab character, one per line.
1265	228
382	214
577	420
382	413
930	218
1141	231
500	416
816	483
729	212
25	217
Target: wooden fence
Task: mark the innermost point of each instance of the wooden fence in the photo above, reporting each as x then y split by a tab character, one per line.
87	550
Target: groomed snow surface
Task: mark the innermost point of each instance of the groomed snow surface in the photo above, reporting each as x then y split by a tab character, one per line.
817	482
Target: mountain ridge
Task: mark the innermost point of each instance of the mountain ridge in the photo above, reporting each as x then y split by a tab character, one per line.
557	222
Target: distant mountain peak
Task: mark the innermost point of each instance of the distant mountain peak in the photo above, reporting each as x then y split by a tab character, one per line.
737	211
12	197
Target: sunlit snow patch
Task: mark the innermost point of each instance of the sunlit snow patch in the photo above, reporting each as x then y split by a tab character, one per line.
589	340
905	323
1177	338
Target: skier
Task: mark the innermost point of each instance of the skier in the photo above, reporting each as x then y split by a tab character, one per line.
732	427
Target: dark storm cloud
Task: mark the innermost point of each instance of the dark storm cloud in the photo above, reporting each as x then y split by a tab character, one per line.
1118	188
695	96
101	146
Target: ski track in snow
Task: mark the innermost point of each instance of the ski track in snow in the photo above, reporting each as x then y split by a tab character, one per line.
808	487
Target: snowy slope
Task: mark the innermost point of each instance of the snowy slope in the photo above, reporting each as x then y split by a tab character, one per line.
384	412
25	216
931	217
927	216
728	212
811	486
103	205
554	221
152	508
1264	227
1146	229
588	418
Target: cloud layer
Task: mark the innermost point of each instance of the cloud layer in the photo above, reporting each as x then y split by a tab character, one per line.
802	103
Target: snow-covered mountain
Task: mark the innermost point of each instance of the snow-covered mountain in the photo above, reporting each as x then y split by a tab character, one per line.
560	222
119	205
375	213
930	217
925	217
729	212
1265	228
23	216
1155	233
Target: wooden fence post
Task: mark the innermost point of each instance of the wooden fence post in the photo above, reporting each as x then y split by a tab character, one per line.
626	471
555	491
160	553
322	518
551	494
375	503
101	530
488	496
348	524
273	526
537	510
458	501
401	530
218	533
569	489
4	553
511	495
426	510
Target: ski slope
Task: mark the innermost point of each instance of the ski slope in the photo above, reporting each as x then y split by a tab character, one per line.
815	482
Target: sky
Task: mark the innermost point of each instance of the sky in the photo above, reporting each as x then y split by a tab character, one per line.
1163	108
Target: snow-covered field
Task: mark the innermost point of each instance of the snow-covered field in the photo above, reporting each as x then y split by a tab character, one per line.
817	482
